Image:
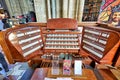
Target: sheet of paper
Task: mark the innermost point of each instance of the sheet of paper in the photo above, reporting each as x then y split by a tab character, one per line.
64	79
61	78
78	67
49	79
18	72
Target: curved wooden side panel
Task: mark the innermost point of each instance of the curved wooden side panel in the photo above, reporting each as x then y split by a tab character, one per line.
5	47
108	58
100	44
22	42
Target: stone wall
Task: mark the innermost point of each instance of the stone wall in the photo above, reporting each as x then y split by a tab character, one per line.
19	7
46	9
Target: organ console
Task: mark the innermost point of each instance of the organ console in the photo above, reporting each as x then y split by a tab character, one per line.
101	44
27	41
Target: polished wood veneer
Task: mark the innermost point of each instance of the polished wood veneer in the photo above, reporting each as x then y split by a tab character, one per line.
41	73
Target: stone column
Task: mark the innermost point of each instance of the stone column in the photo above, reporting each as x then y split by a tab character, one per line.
53	8
65	9
48	9
9	7
15	7
40	10
76	9
23	6
81	9
71	9
30	5
58	8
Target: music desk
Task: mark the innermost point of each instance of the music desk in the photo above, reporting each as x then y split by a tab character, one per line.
41	73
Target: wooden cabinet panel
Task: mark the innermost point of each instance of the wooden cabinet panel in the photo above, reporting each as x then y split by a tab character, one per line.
98	43
24	42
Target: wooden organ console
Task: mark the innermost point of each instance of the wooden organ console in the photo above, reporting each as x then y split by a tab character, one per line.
62	36
27	41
